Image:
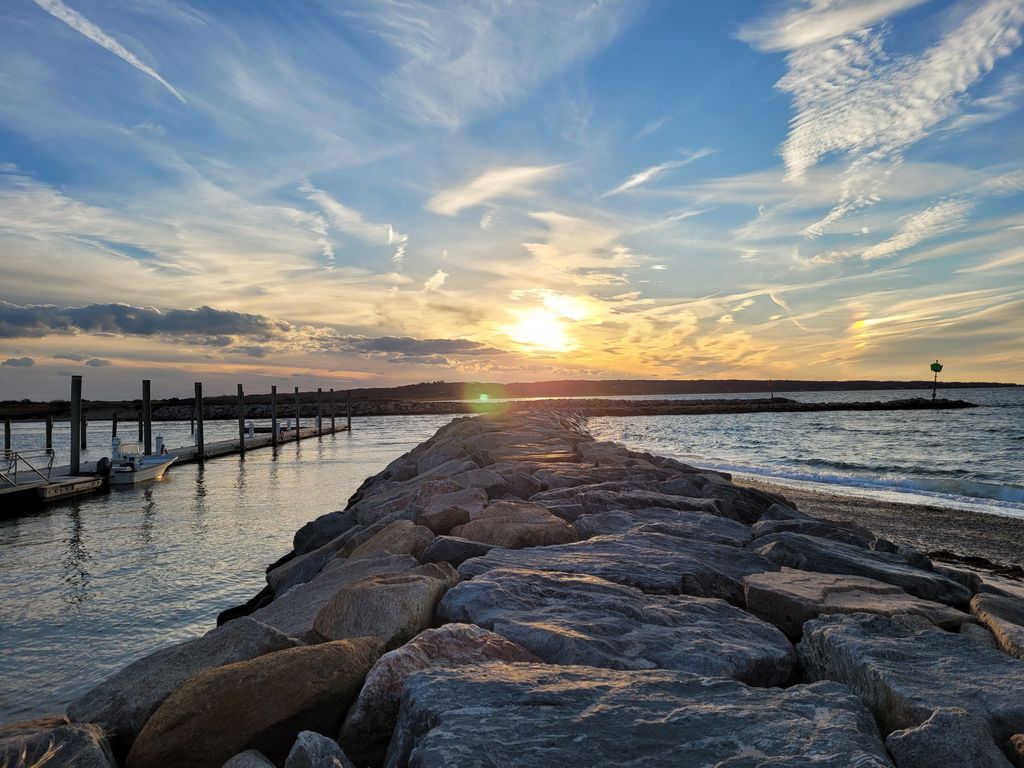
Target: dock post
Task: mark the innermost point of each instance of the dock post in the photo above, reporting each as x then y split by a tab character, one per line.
113	425
49	432
273	415
147	417
241	421
319	411
296	414
7	434
76	424
200	444
333	428
85	429
348	415
140	426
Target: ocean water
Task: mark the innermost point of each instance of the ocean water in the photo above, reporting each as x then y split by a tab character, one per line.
90	585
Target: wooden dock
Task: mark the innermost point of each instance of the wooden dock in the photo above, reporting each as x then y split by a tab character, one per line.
32	492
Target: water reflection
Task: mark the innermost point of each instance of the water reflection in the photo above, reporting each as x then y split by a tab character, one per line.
76	575
148	515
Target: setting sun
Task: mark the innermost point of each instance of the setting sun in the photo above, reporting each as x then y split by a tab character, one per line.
539	330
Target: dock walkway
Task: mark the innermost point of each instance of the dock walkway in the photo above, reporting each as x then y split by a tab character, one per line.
31	492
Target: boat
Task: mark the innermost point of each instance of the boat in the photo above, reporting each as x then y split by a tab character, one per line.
129	464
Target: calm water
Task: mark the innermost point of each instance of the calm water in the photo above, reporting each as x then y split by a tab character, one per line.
89	586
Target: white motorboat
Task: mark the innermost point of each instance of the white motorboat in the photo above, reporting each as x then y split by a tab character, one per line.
130	465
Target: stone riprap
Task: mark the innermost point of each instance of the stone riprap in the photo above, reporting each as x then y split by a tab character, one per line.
551	600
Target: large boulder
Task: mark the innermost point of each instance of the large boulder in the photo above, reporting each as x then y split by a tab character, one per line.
316	533
452	549
250	758
789	598
543	716
487	480
603	501
448	510
367	729
295	611
389	499
402	537
314	750
122	703
260	704
904	668
516	524
568	618
672	522
1004	616
54	742
391	608
652	562
950	738
810	553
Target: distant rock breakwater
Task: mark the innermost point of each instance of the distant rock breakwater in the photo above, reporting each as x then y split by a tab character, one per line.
512	592
586	407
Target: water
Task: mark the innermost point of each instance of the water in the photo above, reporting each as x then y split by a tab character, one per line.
88	586
966	459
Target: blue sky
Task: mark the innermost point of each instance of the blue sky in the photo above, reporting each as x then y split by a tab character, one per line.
344	194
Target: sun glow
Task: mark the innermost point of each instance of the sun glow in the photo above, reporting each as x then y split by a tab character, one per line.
539	330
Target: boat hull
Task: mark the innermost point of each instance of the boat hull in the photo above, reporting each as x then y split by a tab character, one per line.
119	476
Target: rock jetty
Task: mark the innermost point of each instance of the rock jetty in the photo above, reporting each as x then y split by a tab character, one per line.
514	593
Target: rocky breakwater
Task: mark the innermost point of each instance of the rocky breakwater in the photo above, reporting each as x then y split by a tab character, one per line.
514	593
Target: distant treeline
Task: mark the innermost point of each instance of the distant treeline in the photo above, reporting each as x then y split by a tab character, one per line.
449	390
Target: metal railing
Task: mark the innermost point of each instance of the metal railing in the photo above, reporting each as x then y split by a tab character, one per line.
12	462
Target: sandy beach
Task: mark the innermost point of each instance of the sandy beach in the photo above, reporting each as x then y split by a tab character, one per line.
989	542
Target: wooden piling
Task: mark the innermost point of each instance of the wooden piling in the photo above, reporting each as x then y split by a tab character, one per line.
147	417
319	411
332	411
113	425
296	414
76	424
348	415
273	415
140	426
200	442
49	432
241	421
85	429
7	434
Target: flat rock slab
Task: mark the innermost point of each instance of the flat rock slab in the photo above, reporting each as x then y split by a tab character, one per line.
516	524
651	562
294	612
552	717
905	669
950	738
1004	615
604	501
671	522
122	703
261	704
452	549
576	619
367	729
53	742
809	553
789	598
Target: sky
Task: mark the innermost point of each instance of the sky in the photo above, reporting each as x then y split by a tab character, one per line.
347	194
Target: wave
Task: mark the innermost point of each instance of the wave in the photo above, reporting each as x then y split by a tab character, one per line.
961	490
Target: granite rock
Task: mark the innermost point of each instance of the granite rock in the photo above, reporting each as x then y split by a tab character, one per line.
55	743
402	537
671	522
1004	616
452	549
312	750
316	533
250	758
516	524
950	738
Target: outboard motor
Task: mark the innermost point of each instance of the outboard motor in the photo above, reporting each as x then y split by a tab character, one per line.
103	467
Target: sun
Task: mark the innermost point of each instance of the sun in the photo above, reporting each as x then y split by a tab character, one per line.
539	330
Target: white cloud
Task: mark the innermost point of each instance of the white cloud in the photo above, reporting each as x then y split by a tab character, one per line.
515	181
435	282
815	21
852	98
939	219
80	24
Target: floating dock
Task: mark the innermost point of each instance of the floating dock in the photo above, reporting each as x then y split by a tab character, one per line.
32	492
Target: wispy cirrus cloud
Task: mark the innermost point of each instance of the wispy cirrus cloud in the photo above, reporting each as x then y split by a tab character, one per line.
82	25
496	184
641	178
854	100
936	220
460	58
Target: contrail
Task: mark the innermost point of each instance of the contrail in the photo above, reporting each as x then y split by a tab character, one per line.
79	23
